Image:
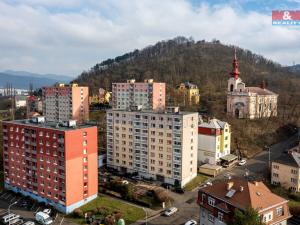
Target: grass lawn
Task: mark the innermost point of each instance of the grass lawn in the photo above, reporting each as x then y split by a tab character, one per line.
195	182
130	213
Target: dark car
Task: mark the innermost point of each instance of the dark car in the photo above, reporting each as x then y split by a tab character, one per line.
166	185
179	190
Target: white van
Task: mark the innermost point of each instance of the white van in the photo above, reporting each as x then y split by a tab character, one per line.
9	217
43	218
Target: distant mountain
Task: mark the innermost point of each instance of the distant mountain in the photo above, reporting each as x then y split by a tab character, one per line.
294	68
22	79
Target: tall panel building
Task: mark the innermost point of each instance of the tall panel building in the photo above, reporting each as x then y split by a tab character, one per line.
66	102
157	145
55	164
148	94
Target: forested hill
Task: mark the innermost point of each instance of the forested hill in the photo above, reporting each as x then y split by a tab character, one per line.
206	64
182	59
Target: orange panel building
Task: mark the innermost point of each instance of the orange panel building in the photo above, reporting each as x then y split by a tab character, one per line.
55	164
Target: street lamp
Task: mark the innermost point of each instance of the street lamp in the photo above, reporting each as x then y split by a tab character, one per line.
9	209
269	152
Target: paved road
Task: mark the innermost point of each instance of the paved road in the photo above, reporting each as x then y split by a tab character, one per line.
187	206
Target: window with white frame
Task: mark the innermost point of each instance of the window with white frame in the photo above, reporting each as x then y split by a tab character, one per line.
279	211
211	201
211	217
268	217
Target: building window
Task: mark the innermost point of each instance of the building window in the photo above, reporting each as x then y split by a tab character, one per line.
293	180
275	175
276	167
293	171
268	217
211	217
211	201
220	216
279	211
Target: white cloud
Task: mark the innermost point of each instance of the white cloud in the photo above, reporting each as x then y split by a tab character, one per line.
69	37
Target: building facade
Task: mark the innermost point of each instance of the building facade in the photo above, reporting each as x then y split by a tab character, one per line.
157	145
189	94
104	96
149	94
214	139
286	171
66	102
249	102
20	101
52	164
34	105
219	201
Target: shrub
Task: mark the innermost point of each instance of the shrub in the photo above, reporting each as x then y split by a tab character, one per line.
78	213
295	196
161	195
109	220
103	211
295	210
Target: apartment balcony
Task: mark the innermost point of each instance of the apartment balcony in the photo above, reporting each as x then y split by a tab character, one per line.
4	130
33	160
61	140
5	138
61	175
33	135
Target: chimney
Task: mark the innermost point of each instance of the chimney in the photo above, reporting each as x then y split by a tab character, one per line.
229	185
241	188
256	183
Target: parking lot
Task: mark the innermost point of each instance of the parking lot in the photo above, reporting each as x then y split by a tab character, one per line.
26	208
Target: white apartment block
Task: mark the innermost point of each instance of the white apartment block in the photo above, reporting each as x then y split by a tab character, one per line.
157	145
148	94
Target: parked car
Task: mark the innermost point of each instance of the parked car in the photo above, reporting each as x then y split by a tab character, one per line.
166	185
242	162
179	190
137	177
29	223
43	218
170	211
9	217
47	211
191	222
209	183
125	182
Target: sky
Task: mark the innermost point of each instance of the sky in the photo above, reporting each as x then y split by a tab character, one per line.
70	36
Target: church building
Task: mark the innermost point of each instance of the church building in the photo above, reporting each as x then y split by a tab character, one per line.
248	102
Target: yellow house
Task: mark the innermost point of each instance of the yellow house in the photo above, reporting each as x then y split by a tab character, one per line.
286	171
189	93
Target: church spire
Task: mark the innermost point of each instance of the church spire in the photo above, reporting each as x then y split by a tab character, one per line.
235	69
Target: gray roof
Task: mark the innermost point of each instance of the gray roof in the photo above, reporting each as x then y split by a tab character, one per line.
260	91
49	125
290	159
213	123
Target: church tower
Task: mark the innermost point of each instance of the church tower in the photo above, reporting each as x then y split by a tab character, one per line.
235	82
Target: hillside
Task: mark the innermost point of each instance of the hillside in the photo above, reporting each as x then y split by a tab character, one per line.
22	79
207	64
